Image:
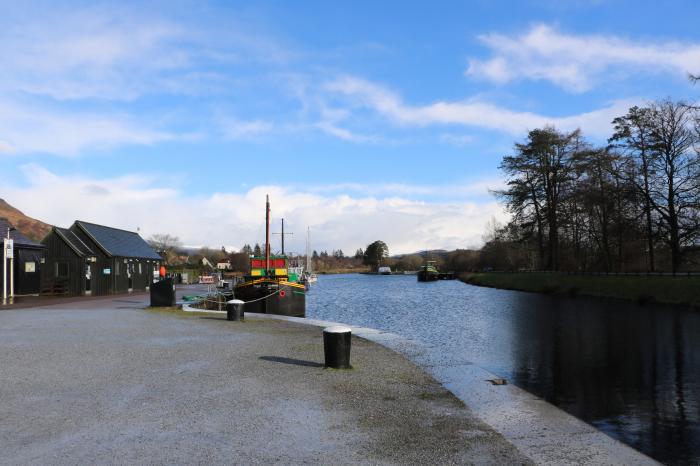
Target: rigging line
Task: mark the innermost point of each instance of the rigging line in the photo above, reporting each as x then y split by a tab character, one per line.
252	301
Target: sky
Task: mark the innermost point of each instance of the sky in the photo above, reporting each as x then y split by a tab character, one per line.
361	120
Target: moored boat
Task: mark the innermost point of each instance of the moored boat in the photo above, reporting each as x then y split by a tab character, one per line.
309	275
269	288
428	273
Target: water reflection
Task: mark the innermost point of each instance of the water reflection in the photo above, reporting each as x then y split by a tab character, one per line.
633	372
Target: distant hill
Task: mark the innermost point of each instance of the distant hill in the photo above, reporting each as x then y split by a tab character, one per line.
31	227
431	252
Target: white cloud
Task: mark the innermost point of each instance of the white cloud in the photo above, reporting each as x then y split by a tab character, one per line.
30	128
226	218
91	53
467	190
578	62
238	129
470	113
118	52
6	148
342	133
459	140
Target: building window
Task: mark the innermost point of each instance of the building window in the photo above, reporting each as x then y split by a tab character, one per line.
62	270
140	268
117	268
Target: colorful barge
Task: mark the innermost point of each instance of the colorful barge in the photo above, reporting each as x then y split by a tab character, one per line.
269	288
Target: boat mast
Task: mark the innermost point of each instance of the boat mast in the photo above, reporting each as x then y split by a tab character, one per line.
308	260
267	235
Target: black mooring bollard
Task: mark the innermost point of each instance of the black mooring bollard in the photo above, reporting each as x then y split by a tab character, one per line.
163	293
336	347
234	309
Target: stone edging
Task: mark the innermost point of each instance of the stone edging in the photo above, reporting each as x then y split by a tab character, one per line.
538	429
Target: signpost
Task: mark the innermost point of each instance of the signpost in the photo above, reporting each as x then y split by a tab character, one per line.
8	253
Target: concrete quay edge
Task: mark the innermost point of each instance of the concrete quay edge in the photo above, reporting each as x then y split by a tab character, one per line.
538	429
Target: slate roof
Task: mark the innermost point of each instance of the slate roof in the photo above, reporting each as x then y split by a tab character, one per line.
118	243
19	238
75	242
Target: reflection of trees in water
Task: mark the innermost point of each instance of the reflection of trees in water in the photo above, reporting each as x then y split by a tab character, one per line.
631	371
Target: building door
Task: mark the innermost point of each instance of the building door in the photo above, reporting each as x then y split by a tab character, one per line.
88	278
130	275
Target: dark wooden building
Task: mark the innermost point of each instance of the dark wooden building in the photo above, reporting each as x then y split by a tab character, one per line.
99	260
70	264
27	264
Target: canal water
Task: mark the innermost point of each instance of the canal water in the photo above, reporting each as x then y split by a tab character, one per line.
631	371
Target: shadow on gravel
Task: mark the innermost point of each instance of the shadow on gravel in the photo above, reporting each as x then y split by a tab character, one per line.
295	362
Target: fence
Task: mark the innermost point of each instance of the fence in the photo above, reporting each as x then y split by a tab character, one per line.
611	274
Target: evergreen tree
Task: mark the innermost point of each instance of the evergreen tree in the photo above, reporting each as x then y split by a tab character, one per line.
374	253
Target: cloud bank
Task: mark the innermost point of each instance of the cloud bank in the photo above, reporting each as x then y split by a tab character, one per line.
470	113
578	62
337	220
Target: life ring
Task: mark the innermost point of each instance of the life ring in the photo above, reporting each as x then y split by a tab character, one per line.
283	294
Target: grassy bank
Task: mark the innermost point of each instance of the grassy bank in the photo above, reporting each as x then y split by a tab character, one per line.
682	291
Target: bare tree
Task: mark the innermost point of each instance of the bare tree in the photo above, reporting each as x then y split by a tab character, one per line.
674	192
166	245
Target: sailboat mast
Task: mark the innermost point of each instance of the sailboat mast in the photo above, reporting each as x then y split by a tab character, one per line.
308	259
267	235
283	237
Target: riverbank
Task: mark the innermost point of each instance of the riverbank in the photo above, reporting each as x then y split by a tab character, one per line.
680	291
343	271
111	383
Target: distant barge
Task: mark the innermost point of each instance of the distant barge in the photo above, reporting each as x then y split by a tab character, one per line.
430	273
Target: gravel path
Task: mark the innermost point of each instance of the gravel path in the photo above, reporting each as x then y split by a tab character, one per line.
106	382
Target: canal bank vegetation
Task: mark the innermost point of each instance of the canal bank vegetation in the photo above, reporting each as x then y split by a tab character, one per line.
589	216
678	290
631	205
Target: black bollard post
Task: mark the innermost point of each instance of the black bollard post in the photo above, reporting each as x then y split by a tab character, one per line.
336	347
234	309
163	293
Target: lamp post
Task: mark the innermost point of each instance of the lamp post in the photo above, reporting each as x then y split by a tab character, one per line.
8	246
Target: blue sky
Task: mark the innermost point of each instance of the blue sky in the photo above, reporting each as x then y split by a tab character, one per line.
362	121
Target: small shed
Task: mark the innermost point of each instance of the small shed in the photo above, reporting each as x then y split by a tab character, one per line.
123	261
70	264
27	264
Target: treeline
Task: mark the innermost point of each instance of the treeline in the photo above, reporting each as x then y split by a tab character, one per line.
631	205
320	261
335	261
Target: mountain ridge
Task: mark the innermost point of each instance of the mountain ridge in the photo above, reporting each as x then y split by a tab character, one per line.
31	227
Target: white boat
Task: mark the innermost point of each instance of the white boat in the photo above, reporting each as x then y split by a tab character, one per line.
308	273
384	271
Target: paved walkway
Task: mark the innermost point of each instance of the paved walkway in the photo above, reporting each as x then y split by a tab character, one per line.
106	382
